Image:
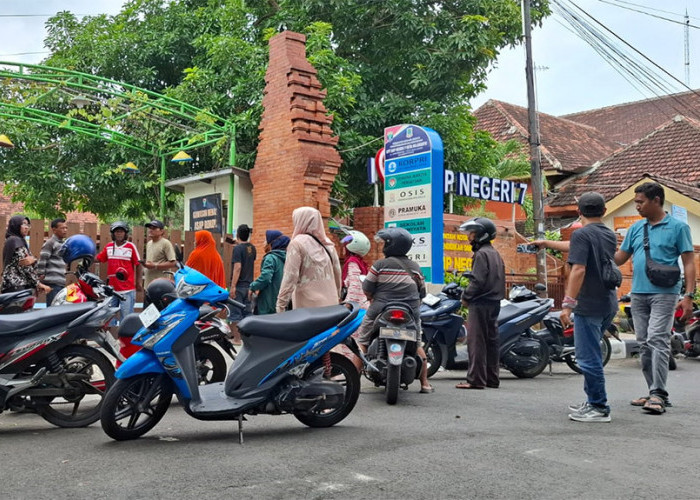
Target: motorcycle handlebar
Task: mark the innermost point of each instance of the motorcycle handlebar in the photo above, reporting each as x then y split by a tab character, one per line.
235	303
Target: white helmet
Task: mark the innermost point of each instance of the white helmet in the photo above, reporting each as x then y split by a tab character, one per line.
357	243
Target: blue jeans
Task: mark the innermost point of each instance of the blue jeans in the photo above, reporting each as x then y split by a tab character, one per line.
588	332
126	307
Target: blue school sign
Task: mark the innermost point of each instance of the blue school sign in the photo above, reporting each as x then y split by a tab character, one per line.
413	192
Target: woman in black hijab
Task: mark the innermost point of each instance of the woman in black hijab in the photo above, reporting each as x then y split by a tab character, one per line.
19	265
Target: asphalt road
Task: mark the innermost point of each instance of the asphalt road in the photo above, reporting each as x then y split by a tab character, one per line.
514	442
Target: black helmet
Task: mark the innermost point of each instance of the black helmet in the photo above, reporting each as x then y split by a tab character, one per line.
119	225
397	241
485	229
158	289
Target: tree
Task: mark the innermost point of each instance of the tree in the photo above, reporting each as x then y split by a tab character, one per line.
382	63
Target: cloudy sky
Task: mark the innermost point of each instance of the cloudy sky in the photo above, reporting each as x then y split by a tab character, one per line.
572	76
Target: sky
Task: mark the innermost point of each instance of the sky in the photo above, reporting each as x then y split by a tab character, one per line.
571	76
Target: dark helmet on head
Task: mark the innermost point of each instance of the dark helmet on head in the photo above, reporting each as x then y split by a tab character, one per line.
119	225
76	247
484	229
397	241
157	290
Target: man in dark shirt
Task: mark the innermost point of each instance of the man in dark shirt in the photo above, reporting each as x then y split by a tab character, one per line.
594	304
243	261
487	286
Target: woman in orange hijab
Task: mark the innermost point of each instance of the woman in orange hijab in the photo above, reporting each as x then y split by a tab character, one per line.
205	258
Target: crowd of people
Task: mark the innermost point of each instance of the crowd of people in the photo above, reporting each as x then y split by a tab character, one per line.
304	270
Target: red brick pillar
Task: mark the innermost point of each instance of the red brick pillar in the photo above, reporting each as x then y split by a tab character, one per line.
297	160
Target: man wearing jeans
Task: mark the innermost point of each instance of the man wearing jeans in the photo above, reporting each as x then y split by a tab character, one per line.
594	304
653	306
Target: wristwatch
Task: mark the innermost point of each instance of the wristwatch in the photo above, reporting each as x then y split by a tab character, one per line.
690	294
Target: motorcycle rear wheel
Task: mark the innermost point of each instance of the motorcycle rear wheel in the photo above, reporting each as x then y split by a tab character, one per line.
81	404
434	355
393	383
135	405
605	349
343	372
542	362
211	364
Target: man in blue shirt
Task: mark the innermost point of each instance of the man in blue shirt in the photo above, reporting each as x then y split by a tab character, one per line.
653	306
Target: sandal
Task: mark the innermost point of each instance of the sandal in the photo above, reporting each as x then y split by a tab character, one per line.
427	390
640	401
466	385
655	405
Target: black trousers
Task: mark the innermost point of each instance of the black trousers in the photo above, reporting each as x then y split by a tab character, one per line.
483	344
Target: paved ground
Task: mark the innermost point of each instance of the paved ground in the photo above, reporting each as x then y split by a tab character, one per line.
514	442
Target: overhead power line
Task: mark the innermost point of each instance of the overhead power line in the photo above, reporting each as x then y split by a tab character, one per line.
647	8
633	65
683	23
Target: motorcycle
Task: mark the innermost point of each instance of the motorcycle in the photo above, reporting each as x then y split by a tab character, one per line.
520	353
442	326
391	359
283	367
211	364
42	369
17	302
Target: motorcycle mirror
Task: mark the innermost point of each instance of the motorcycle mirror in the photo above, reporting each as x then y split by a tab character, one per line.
539	287
120	275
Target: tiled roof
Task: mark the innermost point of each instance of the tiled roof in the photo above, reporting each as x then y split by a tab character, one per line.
629	122
566	146
670	154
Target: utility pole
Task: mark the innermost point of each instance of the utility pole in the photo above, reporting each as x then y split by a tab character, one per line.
534	140
687	49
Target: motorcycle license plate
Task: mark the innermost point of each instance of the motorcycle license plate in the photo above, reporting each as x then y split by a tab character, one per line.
149	315
397	334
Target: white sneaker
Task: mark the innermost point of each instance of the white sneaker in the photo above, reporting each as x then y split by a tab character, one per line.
590	414
577	407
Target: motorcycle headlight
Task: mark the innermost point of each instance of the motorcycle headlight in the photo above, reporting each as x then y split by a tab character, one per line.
185	290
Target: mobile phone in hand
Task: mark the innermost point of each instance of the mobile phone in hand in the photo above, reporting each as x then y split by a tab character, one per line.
527	248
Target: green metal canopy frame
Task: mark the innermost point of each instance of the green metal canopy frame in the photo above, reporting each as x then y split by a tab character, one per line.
112	111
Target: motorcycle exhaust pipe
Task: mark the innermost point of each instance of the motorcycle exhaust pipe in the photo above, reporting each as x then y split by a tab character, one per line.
408	370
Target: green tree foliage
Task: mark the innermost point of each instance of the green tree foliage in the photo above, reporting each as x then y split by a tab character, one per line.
382	63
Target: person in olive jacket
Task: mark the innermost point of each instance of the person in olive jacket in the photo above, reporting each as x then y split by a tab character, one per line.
487	287
267	285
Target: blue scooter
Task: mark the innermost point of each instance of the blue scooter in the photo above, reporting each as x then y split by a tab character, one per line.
284	366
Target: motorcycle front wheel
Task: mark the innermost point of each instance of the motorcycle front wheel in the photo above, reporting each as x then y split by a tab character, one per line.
342	371
91	375
135	405
211	364
605	350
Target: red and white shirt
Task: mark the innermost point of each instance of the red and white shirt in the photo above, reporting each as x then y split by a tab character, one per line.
125	258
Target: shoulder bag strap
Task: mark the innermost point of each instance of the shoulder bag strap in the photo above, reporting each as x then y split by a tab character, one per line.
324	247
646	240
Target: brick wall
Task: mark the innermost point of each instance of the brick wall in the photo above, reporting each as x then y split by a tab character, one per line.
296	160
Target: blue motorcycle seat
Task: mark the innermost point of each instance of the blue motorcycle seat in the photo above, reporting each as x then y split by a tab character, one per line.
515	309
295	326
42	319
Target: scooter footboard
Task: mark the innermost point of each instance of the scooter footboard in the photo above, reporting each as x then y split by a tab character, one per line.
143	361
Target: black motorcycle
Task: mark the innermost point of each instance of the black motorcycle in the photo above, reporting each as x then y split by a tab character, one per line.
442	326
44	370
391	359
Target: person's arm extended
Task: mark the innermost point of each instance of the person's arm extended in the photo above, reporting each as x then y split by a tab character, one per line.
562	246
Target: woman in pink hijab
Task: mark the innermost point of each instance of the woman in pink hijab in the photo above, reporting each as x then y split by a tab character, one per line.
312	276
